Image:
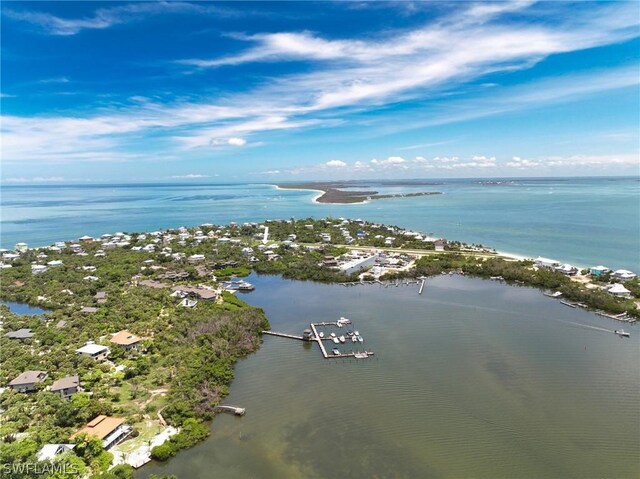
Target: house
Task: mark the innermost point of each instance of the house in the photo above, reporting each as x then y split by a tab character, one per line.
358	264
86	239
623	274
24	333
111	430
598	270
125	339
27	381
66	387
618	290
21	247
39	268
55	262
567	269
200	293
195	258
440	244
88	310
93	351
546	263
100	297
50	451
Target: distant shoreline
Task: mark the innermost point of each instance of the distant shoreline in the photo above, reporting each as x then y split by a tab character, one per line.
329	193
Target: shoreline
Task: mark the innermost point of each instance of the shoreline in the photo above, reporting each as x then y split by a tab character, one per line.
331	193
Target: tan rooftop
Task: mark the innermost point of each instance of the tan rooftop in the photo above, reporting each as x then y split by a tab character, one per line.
101	426
125	338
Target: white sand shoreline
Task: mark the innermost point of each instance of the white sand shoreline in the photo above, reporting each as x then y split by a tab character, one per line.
320	193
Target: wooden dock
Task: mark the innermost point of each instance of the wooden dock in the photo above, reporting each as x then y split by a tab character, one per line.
283	335
317	338
238	411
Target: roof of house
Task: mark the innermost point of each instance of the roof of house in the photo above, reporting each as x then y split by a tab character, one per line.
89	309
29	377
125	338
91	349
101	426
618	289
100	295
24	333
50	451
66	383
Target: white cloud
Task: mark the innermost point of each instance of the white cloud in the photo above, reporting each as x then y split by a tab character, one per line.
335	164
392	160
233	141
105	17
190	176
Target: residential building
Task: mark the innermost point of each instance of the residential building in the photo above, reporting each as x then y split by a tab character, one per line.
127	340
66	387
27	381
111	430
93	351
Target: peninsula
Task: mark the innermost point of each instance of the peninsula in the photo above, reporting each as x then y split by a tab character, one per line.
335	192
141	331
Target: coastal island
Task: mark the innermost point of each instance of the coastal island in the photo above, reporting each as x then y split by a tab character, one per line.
332	192
140	333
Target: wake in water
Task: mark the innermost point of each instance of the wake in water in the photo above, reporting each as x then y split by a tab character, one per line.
587	326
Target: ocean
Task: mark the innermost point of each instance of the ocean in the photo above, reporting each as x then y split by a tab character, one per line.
583	221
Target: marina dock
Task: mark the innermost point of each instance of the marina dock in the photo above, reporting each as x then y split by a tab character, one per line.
313	335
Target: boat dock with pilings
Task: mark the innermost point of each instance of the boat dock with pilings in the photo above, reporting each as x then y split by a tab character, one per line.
313	335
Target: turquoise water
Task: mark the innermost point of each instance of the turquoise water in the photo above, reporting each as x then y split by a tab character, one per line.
582	221
471	379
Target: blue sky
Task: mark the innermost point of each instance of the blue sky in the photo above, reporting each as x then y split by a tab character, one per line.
259	91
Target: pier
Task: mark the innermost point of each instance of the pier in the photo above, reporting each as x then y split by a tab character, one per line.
283	335
313	335
238	411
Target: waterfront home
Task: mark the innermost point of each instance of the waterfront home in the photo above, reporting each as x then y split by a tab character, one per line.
598	270
93	351
66	387
567	269
38	268
623	275
111	430
27	381
545	263
200	293
618	290
440	244
127	340
21	247
24	333
358	264
50	451
86	239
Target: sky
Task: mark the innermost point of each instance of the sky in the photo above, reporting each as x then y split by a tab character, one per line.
278	91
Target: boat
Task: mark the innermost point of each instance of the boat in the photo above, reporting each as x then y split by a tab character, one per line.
245	286
321	334
342	339
335	340
361	339
356	333
622	333
349	332
335	351
354	339
333	335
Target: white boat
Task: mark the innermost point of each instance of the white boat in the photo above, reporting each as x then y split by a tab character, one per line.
356	333
333	335
335	351
335	340
321	334
245	286
354	339
342	339
622	333
361	339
